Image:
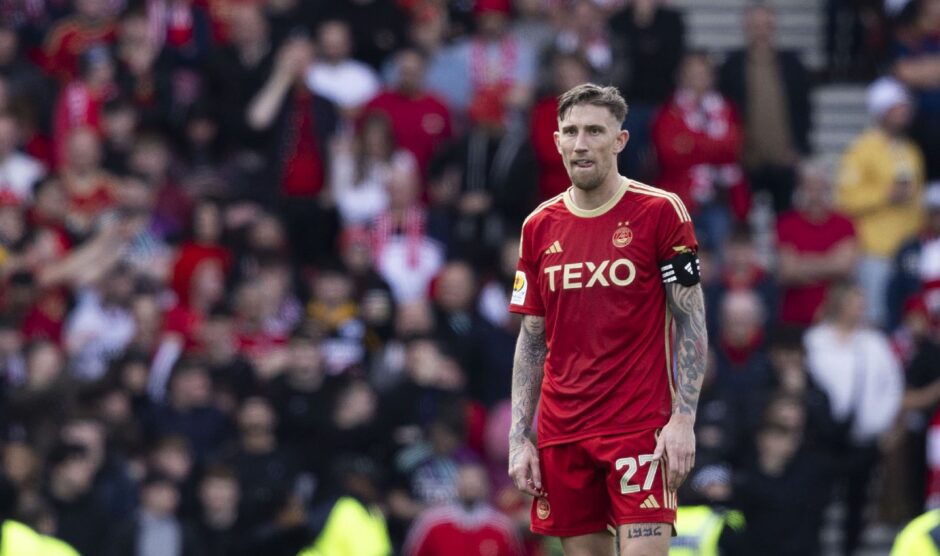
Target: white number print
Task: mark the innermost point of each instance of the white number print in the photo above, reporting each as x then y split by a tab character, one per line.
631	464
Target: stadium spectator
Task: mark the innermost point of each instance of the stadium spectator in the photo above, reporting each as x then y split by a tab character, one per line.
363	165
89	188
80	519
114	488
585	34
740	347
781	491
188	411
266	472
421	122
92	24
247	59
155	529
917	56
407	255
879	186
100	326
816	246
81	102
217	524
916	272
771	88
338	77
20	171
650	43
378	28
856	368
138	76
567	70
469	526
495	180
697	138
299	125
491	64
350	521
741	271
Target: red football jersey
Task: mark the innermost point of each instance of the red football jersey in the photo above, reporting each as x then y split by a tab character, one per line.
595	276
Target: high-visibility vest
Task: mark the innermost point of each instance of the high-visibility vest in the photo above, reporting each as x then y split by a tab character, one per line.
20	540
698	530
920	537
351	530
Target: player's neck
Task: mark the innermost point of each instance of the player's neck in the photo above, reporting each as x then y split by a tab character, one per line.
590	200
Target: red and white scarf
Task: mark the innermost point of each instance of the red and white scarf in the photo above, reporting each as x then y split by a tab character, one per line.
410	224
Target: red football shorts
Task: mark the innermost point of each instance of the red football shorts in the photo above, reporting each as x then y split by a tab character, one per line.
601	481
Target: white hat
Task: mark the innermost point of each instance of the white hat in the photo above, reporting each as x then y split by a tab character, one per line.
894	7
884	94
932	195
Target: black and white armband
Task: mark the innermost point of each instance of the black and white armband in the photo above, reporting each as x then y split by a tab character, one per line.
683	268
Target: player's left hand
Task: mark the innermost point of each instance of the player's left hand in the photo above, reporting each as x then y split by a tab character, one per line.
676	443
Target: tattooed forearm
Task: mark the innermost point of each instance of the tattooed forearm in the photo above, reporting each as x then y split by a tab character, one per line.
688	308
527	368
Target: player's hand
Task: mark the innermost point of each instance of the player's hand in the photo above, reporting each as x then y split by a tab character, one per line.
676	443
524	466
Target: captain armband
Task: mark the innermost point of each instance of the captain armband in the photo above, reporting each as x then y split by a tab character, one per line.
683	268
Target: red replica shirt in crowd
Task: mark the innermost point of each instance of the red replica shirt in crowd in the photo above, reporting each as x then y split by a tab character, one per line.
553	176
420	124
800	303
595	277
455	531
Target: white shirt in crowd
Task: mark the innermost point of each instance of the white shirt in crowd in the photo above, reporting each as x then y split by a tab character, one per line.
19	173
409	275
359	202
861	376
95	333
348	84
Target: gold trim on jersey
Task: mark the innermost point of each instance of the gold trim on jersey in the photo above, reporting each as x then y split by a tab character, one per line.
595	212
673	199
666	335
537	210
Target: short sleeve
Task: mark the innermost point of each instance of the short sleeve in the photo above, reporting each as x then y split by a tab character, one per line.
675	231
526	297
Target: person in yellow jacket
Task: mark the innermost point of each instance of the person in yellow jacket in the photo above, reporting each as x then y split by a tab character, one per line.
352	525
704	531
880	184
17	539
921	537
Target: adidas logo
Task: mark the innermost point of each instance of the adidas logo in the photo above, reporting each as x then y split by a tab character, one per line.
650	503
688	268
554	248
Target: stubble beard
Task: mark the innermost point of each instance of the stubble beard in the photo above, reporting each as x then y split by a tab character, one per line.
588	183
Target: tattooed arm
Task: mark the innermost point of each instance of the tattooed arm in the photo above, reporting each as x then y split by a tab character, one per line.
677	439
527	368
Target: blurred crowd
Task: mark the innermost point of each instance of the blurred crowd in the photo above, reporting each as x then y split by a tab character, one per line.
255	260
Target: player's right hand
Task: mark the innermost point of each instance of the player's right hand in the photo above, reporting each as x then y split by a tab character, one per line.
524	466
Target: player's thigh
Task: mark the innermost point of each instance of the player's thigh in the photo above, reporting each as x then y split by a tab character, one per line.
575	502
644	539
595	544
636	482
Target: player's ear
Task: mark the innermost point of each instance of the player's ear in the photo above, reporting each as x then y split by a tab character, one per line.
557	137
622	138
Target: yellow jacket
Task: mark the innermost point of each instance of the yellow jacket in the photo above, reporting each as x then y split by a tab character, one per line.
866	179
916	538
20	540
351	530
